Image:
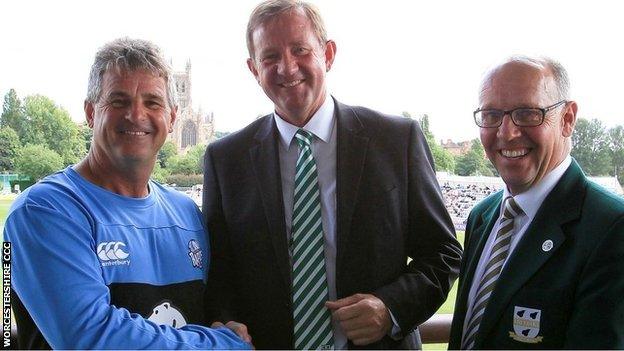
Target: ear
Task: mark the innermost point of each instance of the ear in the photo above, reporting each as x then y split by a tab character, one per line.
89	110
172	118
252	67
569	119
330	54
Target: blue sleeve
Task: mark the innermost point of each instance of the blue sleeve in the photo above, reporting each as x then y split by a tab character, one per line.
57	276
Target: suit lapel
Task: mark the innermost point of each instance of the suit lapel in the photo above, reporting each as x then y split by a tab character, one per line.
562	205
351	155
265	163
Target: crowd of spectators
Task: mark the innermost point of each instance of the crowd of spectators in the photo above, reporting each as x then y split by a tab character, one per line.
460	198
462	193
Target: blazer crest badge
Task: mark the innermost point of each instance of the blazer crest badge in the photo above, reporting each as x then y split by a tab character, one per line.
526	325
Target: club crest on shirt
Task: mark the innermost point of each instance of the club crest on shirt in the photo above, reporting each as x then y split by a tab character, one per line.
195	253
526	325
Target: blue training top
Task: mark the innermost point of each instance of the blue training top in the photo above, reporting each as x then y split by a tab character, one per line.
93	269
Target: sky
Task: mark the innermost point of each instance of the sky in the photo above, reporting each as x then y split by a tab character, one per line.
392	55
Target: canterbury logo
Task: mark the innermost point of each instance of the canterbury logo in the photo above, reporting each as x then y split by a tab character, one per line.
112	250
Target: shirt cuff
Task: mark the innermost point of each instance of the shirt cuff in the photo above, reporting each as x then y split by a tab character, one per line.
395	333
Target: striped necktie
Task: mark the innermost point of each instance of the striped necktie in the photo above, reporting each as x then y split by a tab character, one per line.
498	256
313	329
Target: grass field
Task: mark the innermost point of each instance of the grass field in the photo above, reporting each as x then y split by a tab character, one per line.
5	204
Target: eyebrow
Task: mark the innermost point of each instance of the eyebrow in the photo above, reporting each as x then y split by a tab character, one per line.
144	96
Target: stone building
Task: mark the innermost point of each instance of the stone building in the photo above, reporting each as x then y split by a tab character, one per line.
191	127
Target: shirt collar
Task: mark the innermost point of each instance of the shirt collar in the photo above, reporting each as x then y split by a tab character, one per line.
321	124
531	200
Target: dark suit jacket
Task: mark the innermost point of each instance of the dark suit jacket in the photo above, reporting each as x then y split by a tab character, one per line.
577	285
389	208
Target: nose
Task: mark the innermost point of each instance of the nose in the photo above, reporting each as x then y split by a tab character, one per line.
137	112
508	130
287	65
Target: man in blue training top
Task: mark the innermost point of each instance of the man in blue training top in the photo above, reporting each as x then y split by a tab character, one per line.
104	258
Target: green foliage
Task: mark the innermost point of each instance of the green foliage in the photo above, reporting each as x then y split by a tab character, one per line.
185	179
13	113
442	159
473	162
86	135
9	148
190	163
590	147
51	125
37	161
160	174
616	146
38	120
166	152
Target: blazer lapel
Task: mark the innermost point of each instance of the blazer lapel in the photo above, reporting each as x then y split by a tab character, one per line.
265	163
562	205
351	155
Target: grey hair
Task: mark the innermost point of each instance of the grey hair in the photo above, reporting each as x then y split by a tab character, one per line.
269	9
130	55
559	73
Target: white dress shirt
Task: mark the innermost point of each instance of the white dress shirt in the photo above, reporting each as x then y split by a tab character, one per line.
530	202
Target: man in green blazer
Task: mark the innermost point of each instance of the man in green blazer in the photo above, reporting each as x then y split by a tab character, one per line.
543	266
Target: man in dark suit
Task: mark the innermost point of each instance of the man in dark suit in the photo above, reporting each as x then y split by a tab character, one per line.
350	187
544	257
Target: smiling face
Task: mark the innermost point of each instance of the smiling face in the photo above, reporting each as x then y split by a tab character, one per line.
524	155
290	64
131	119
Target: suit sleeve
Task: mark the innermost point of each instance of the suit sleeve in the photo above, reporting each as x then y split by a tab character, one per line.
58	278
220	293
459	313
431	244
597	321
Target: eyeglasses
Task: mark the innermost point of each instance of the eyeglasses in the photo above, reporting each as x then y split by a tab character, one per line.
521	117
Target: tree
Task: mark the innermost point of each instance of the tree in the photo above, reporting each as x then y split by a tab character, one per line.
442	159
473	162
9	148
616	146
51	125
86	133
190	163
37	161
590	147
166	152
159	174
13	113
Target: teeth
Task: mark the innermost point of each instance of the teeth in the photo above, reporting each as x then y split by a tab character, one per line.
514	153
292	84
134	133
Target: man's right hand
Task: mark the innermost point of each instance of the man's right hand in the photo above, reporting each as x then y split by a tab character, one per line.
239	328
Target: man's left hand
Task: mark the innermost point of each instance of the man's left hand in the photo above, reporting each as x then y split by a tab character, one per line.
363	317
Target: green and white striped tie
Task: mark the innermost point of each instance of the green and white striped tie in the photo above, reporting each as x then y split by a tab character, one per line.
313	329
498	256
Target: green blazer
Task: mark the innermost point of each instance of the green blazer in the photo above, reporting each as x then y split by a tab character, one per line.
563	285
